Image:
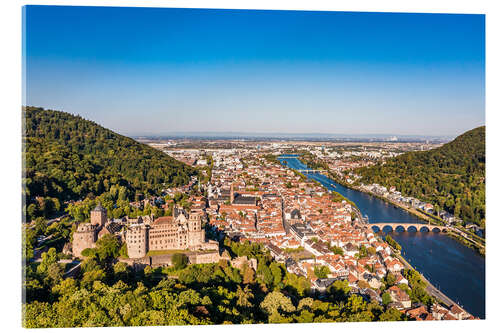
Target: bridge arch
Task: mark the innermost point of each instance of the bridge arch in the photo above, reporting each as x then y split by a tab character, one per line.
399	228
424	229
412	228
387	227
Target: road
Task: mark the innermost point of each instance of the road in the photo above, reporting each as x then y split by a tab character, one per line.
32	224
431	289
73	271
464	235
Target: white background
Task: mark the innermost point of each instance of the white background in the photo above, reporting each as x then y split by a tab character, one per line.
10	153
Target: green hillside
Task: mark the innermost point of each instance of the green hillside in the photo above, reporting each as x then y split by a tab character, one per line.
451	176
68	158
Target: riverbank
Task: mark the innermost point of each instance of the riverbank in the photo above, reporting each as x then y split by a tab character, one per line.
460	236
456	234
467	242
436	255
410	210
430	288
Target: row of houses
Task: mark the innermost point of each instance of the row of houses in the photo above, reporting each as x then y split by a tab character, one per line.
396	196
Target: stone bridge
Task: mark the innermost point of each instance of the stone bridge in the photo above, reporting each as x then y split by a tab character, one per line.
310	171
406	226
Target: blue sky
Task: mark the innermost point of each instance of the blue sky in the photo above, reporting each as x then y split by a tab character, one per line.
156	71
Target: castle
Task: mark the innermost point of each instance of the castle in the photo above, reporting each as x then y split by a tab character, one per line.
182	231
87	234
178	232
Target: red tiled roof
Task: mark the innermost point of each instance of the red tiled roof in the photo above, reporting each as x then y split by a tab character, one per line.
163	220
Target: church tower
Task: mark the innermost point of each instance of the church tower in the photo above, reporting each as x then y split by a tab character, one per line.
98	216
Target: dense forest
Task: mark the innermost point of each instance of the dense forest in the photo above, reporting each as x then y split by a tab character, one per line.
452	177
69	158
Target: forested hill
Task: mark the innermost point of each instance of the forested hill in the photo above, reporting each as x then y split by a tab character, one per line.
451	176
68	158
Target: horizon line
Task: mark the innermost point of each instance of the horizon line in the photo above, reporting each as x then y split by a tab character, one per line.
288	134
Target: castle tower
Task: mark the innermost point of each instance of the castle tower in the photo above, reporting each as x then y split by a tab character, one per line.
137	241
194	222
196	235
98	216
85	236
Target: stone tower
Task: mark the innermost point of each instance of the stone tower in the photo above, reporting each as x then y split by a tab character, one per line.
98	216
196	235
137	241
194	222
84	237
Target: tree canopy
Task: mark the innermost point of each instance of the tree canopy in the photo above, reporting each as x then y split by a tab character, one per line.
68	158
110	293
452	177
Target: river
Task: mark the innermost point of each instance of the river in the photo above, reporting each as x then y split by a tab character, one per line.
458	271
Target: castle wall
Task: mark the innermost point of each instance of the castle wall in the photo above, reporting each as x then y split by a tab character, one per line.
166	259
204	258
196	238
239	262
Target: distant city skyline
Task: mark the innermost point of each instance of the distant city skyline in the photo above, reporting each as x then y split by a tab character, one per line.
313	136
155	71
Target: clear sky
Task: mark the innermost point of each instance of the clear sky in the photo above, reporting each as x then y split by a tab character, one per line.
156	71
